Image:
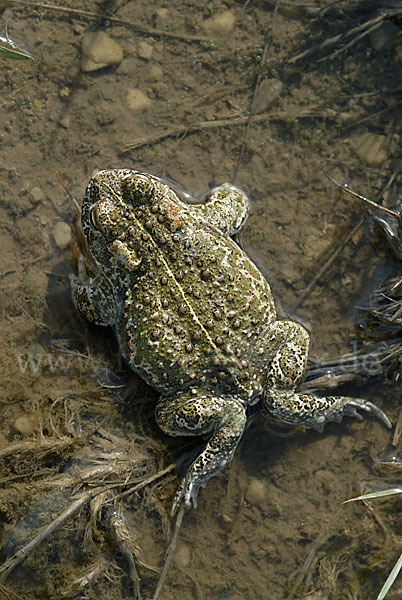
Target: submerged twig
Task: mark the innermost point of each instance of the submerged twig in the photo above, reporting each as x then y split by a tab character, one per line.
398	430
367	30
346	188
372	23
327	264
348	237
92	15
146	482
101	467
308	112
23	552
310	560
268	41
69	194
170	552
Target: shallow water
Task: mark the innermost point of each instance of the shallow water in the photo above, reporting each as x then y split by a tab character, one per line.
293	536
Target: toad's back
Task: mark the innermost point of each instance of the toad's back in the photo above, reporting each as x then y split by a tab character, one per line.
191	303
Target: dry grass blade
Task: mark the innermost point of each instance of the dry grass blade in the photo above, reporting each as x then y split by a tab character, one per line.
347	238
367	30
370	24
398	565
101	568
9	594
145	482
123	538
44	446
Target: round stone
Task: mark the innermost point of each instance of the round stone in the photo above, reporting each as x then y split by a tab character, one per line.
219	25
145	50
256	493
62	234
26	424
138	101
182	555
36	194
99	50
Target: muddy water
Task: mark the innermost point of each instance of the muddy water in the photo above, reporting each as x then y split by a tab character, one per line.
271	526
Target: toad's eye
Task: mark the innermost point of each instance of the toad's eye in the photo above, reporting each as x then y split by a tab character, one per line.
92	216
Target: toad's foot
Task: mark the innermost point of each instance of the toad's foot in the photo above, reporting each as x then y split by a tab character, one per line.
221	418
187	492
311	411
352	405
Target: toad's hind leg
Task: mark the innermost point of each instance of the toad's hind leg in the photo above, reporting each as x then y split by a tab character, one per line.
225	208
223	419
286	370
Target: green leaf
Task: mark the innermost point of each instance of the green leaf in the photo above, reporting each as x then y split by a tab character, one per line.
390	579
371	495
16	54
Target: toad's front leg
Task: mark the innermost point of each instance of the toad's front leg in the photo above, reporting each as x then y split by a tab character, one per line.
222	418
225	208
92	296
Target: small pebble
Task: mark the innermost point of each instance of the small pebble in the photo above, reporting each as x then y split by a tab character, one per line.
219	25
36	194
268	91
64	93
26	424
37	104
162	13
384	36
137	100
99	50
155	73
65	122
182	555
145	50
62	234
371	148
293	11
256	493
